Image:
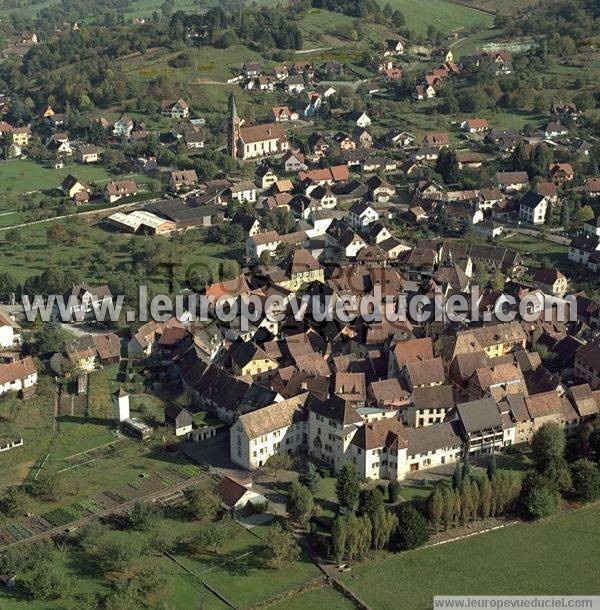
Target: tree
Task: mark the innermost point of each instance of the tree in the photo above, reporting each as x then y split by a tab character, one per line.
338	537
46	581
383	525
412	530
446	165
498	281
370	500
466	501
491	467
586	480
558	472
594	443
209	538
518	159
466	469
310	478
280	548
116	555
547	444
485	498
457	476
16	502
394	488
203	504
541	498
448	510
347	487
435	508
144	516
300	503
279	461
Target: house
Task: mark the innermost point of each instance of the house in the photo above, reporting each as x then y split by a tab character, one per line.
10	331
436	139
71	186
293	161
114	191
193	138
398	138
182	179
318	144
179	419
533	208
475	125
83	300
86	153
587	365
242	192
236	496
281	114
392	48
294	84
561	173
123	127
547	189
379	189
551	281
362	137
251	68
327	175
512	181
424	92
555	130
266	177
18	376
363	120
481	426
592	187
21	136
277	428
250	360
175	109
361	215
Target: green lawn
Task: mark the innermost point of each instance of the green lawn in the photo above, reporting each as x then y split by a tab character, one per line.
324	597
557	556
23	176
445	16
239	575
537	249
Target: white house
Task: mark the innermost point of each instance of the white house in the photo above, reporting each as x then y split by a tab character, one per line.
278	428
236	495
363	120
123	127
10	331
533	208
18	376
361	215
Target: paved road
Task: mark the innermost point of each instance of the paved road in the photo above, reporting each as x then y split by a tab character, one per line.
105	513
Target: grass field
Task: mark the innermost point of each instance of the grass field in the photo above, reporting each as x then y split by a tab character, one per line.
553	557
445	16
23	176
536	250
324	597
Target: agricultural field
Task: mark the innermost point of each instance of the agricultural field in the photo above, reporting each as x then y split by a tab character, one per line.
521	559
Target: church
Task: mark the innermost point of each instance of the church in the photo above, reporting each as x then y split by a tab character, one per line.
256	141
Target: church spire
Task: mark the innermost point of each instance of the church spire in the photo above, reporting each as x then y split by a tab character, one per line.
233	127
233	115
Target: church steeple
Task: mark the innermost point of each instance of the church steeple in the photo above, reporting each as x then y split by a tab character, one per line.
233	127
